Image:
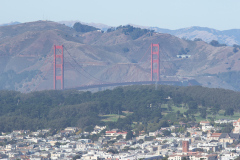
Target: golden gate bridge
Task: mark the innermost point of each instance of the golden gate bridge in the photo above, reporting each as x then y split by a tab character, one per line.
59	63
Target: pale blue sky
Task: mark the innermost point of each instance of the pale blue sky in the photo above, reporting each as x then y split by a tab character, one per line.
170	14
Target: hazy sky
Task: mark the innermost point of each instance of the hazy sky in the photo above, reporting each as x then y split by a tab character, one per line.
171	14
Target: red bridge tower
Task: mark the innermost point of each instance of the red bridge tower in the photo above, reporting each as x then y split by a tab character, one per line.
56	65
155	60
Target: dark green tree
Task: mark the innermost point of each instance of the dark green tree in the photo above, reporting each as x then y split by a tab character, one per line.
83	28
166	132
216	43
229	111
197	39
129	135
203	112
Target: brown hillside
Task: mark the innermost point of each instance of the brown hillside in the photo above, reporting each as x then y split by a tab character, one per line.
108	57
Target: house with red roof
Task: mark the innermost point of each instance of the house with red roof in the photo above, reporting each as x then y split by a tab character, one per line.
115	133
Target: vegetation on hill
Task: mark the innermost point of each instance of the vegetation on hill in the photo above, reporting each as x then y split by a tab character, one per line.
83	28
150	109
236	48
10	78
183	51
216	43
133	32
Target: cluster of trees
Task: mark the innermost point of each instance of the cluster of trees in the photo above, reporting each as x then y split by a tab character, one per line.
236	48
225	128
216	43
83	28
197	39
45	109
133	32
111	29
125	49
59	109
183	51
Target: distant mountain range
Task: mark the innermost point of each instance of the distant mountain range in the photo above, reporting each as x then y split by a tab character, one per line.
228	37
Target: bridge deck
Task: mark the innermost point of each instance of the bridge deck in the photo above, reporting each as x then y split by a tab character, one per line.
177	83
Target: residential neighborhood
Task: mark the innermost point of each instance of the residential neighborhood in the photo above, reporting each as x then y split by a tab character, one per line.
199	141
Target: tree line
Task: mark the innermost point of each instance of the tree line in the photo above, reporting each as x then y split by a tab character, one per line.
59	109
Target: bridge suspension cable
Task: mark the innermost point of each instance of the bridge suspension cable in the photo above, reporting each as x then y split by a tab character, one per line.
144	54
76	69
84	69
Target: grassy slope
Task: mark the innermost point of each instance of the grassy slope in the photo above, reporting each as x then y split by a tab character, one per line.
114	117
220	114
111	117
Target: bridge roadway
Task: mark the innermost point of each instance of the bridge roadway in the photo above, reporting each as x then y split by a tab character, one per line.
177	83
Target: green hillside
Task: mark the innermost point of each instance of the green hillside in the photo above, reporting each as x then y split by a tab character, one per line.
125	108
